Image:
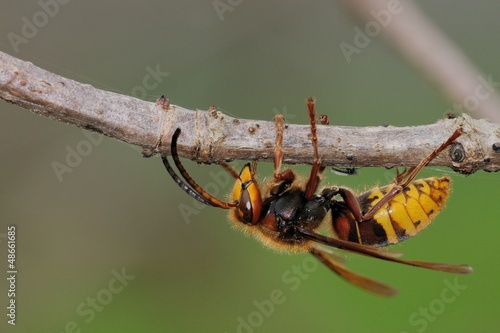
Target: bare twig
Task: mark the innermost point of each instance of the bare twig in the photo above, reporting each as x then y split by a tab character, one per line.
210	136
423	45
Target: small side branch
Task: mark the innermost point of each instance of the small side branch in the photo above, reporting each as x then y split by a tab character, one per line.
211	136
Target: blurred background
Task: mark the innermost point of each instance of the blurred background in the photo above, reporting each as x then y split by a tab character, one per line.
111	244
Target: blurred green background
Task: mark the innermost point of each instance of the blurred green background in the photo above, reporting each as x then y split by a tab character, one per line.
117	213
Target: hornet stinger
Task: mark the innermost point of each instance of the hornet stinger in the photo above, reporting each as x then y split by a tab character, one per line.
286	212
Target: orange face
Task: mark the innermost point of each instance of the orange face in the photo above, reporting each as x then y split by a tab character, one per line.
247	194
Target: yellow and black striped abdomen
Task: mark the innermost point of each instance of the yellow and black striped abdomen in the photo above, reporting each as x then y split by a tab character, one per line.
404	216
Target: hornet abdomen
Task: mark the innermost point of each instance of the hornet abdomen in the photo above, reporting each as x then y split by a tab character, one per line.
402	217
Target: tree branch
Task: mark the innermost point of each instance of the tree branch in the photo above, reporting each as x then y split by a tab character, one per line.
210	136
